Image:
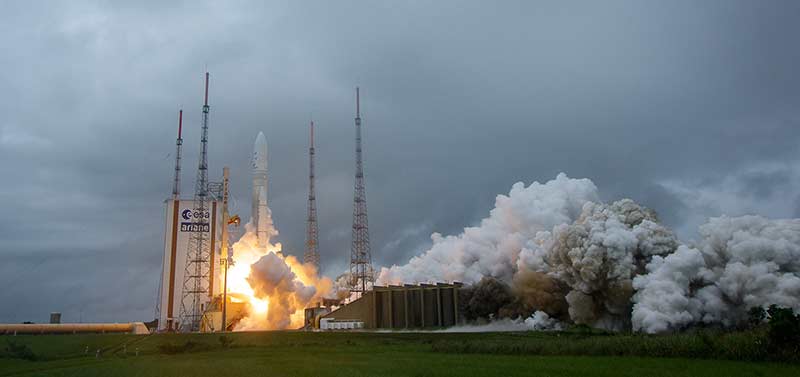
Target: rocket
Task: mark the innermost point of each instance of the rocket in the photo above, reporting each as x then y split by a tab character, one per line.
262	220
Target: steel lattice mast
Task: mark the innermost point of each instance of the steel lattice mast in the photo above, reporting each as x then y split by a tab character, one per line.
311	254
196	282
361	273
176	184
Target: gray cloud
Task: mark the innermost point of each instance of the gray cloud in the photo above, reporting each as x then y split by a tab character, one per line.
662	102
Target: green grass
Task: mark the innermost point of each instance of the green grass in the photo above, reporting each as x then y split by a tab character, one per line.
381	354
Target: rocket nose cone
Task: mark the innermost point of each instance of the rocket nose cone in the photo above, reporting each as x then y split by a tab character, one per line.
260	152
261	139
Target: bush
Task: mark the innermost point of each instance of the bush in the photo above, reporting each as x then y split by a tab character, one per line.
750	345
188	346
225	342
784	331
16	350
756	316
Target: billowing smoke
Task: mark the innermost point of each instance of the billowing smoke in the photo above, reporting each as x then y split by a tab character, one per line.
486	299
278	287
596	258
289	286
493	248
539	321
557	249
740	263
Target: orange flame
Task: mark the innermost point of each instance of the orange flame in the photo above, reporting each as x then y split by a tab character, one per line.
271	312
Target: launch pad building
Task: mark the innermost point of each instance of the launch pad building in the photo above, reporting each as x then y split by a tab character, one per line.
180	221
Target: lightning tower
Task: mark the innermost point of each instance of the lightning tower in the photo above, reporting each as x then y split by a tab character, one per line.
361	273
176	184
176	196
311	254
196	276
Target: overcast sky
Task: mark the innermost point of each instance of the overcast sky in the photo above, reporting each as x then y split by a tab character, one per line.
689	107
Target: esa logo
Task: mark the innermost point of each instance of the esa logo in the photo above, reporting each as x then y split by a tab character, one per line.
188	214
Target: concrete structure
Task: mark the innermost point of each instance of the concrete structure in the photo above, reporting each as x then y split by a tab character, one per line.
236	309
180	222
73	328
399	307
333	324
313	314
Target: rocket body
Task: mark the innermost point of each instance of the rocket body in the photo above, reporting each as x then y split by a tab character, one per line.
262	220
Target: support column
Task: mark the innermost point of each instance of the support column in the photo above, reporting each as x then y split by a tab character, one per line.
374	309
439	305
391	307
172	256
212	254
405	305
455	305
422	304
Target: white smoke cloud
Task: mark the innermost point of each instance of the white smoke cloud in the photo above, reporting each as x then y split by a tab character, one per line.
539	321
492	248
614	266
740	263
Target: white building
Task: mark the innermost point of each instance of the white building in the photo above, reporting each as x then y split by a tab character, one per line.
179	223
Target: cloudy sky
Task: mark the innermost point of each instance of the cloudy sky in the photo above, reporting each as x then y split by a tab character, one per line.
691	108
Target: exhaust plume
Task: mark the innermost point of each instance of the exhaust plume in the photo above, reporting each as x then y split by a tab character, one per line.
740	263
278	287
492	248
556	249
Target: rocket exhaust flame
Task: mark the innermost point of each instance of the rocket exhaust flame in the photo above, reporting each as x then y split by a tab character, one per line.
276	287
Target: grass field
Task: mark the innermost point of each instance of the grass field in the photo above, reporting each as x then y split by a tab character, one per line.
383	354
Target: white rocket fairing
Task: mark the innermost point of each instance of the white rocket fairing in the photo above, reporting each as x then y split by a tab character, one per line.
260	212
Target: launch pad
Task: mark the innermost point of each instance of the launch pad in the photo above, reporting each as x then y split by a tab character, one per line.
197	297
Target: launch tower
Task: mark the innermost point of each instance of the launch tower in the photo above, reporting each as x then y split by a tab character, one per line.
197	275
361	273
311	254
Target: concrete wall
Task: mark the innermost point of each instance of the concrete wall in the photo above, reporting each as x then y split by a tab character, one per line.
408	306
358	310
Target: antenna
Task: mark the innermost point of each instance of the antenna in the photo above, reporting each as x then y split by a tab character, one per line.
205	102
361	273
176	184
311	254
